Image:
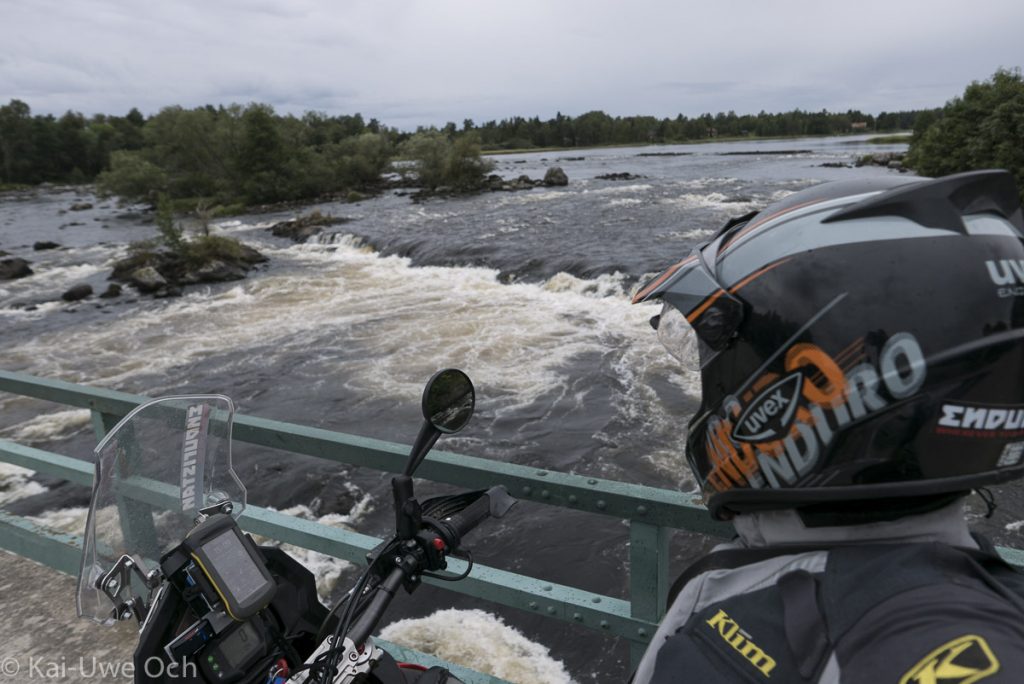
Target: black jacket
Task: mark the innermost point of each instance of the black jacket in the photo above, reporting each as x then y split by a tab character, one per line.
916	612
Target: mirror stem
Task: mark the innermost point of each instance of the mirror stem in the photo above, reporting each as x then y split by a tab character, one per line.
407	509
425	441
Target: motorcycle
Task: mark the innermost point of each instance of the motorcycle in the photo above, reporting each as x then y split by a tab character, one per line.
163	547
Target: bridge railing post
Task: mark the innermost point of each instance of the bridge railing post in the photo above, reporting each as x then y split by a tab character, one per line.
648	579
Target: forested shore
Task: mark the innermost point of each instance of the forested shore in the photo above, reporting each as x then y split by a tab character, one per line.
251	154
225	158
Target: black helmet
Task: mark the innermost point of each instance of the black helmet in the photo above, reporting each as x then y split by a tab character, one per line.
858	340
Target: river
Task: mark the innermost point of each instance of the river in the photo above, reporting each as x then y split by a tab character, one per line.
526	291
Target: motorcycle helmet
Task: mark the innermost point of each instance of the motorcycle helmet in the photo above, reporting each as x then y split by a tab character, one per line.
859	340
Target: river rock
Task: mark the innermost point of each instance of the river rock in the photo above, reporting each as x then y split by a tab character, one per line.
623	176
555	176
169	291
147	279
113	290
251	255
81	206
524	182
218	271
14	268
892	160
297	233
301	228
45	244
76	293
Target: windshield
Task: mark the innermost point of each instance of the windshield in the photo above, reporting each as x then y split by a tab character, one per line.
155	470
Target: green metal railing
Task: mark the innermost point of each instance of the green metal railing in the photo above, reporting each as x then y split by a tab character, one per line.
652	513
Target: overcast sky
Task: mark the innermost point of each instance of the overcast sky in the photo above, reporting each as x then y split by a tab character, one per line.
410	63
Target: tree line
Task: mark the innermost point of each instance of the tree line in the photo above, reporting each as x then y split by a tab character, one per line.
598	128
71	148
242	155
253	153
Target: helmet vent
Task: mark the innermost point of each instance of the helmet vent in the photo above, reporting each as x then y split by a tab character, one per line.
942	203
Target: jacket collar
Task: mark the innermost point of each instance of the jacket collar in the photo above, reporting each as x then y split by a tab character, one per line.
779	528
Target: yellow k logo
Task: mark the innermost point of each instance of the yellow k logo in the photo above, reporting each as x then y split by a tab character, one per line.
963	660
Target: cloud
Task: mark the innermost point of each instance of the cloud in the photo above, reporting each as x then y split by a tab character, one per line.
427	62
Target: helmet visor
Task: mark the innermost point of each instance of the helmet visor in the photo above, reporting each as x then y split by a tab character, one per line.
692	287
680	340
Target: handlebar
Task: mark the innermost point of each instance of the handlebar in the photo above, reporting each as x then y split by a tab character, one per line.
385	591
409	559
495	502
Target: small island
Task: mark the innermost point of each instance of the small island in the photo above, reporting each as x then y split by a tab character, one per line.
162	267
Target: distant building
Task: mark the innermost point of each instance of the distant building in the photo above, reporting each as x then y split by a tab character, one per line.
859	126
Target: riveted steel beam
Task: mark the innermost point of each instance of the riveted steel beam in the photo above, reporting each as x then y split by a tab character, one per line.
600	613
655	506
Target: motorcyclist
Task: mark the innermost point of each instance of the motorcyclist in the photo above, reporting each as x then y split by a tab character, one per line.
861	350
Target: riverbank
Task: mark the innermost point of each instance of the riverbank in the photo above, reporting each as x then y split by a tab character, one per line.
898	137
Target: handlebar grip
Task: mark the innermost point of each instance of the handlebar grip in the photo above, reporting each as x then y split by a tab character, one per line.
495	502
463	522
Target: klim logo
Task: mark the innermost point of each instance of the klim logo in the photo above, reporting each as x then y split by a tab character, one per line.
963	660
771	412
740	641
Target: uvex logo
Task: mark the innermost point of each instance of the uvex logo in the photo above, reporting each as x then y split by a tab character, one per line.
771	411
1006	271
740	641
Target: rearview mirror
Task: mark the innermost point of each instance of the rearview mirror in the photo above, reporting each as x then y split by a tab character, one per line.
448	400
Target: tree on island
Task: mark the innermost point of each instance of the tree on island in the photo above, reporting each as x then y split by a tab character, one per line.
984	128
441	160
